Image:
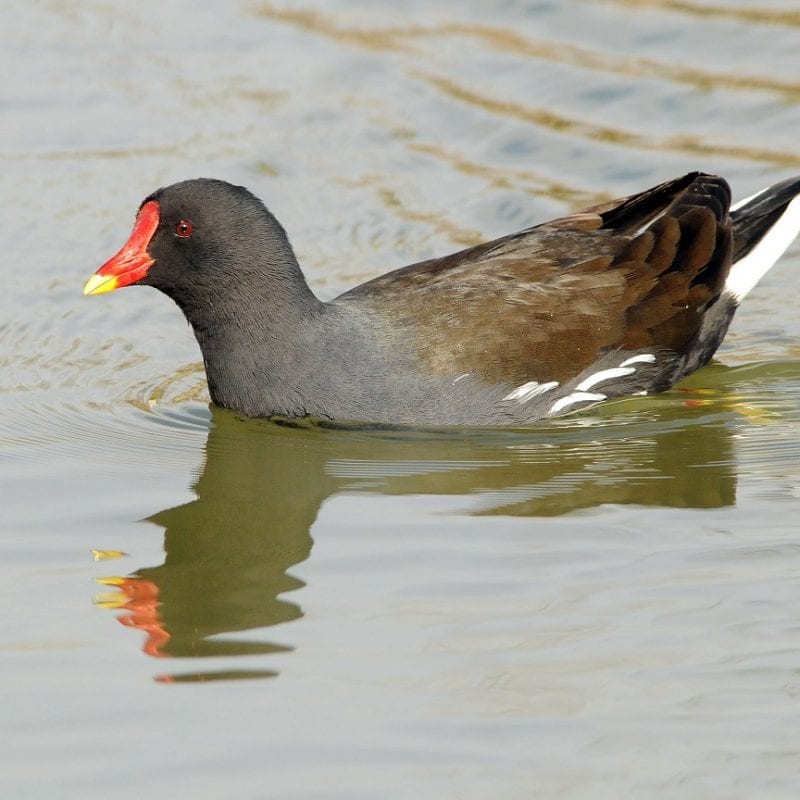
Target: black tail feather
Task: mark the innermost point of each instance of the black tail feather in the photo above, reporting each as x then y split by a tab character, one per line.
753	219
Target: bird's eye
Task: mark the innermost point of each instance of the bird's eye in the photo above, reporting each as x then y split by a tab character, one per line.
184	228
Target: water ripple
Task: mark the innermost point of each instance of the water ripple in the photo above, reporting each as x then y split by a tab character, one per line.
403	39
766	16
566	125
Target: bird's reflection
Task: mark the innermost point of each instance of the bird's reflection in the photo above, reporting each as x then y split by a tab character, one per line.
231	551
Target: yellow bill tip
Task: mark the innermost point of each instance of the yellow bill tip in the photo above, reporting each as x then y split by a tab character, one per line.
103	555
100	284
113	580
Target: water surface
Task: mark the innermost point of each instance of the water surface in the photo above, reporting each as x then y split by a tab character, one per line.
600	607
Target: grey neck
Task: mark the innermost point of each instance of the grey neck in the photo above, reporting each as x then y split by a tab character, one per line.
253	336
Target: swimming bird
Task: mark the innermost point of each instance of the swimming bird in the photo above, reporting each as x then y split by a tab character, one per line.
623	298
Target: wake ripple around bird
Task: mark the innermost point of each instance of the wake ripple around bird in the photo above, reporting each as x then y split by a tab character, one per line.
65	399
77	400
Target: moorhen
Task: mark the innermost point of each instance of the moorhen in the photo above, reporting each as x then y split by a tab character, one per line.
623	298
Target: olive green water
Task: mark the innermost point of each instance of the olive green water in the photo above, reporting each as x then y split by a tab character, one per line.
201	606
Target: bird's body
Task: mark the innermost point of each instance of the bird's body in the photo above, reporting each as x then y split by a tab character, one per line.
619	299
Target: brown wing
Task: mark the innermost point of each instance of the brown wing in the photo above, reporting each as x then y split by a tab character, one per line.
546	303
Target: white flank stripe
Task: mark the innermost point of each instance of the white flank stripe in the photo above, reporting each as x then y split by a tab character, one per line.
521	391
575	397
644	358
531	389
604	375
748	271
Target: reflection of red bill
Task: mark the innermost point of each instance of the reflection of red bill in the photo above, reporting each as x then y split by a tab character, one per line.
139	598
